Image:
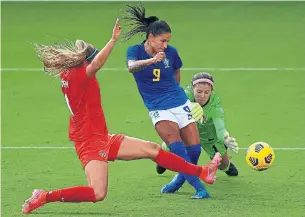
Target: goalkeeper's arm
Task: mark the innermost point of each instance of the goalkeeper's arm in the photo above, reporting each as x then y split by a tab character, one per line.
219	124
223	135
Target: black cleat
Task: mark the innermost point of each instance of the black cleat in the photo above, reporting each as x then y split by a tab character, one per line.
232	170
160	170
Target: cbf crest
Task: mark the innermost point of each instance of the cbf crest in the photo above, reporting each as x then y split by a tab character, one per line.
156	115
166	63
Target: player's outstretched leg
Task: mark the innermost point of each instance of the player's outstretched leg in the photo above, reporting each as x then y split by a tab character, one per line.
97	176
208	173
75	194
37	200
160	170
133	148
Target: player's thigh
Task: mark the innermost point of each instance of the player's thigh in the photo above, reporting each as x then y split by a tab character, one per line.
187	125
190	134
168	131
166	125
183	114
97	177
133	148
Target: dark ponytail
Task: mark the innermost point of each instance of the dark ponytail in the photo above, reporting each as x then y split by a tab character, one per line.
138	23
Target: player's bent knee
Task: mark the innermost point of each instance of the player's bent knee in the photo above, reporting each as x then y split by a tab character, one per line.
152	150
100	191
100	195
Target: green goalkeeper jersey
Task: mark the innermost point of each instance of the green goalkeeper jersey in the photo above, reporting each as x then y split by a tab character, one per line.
212	129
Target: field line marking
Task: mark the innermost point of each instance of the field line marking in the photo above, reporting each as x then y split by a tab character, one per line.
183	69
71	147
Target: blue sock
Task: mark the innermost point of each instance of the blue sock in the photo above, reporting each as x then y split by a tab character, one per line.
179	149
194	152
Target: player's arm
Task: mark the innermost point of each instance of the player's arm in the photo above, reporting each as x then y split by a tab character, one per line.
223	136
189	93
177	75
101	58
138	65
177	66
219	123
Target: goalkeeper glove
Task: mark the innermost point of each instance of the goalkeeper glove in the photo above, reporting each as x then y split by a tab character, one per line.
197	111
230	142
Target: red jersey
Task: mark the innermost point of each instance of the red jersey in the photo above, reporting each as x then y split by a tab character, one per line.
83	98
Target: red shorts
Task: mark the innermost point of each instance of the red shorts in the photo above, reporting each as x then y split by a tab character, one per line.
99	147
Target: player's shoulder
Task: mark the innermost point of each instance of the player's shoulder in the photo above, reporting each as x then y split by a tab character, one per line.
217	102
75	73
171	49
188	88
81	69
215	97
135	47
189	93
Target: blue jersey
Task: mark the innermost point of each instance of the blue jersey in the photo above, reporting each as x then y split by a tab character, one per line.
156	83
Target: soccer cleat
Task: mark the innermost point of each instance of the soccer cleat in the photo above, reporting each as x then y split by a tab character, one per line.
208	174
37	200
160	170
173	186
201	195
232	170
169	188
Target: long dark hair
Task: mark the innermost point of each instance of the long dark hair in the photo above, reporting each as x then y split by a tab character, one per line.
138	23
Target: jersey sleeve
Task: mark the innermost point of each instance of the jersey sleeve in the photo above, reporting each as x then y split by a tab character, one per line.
189	93
219	124
216	113
177	61
131	54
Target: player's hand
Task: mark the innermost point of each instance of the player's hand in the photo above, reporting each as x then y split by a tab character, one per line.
197	111
159	57
116	30
231	143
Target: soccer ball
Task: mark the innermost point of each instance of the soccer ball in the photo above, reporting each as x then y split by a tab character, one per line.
260	156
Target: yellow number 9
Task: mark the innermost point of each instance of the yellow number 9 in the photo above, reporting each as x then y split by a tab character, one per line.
157	74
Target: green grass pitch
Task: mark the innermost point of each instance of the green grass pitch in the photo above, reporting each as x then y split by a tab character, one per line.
259	105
